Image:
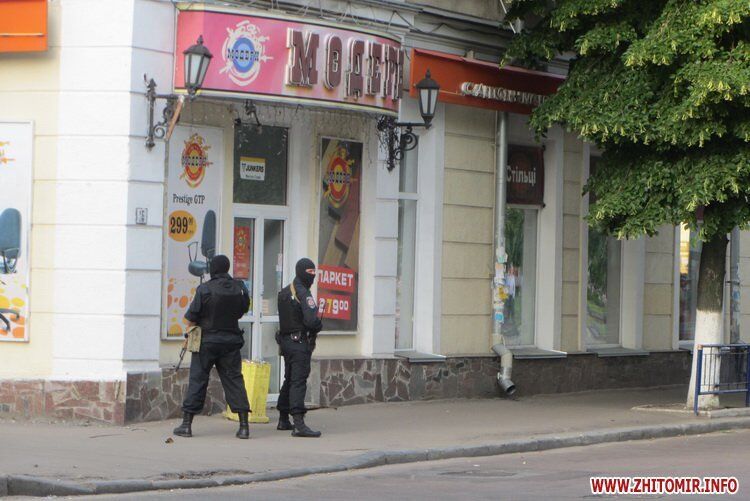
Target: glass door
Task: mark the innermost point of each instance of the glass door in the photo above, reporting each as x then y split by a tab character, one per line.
258	259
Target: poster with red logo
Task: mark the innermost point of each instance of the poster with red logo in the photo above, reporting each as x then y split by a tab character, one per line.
16	148
338	251
242	246
193	215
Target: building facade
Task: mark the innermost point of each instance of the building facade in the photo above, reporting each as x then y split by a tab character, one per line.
279	156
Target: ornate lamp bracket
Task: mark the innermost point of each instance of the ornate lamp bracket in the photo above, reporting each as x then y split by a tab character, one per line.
397	138
158	130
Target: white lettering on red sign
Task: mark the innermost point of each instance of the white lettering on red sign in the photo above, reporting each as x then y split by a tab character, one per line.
336	278
334	306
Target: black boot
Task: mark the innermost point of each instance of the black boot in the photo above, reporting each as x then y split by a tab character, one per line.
244	431
301	429
185	429
284	423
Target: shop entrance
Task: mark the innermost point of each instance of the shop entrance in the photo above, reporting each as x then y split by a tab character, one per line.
259	262
260	236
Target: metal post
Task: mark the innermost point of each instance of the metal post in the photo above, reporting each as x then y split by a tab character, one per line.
747	377
698	379
501	163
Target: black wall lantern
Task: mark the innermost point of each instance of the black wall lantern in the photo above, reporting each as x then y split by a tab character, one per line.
197	59
398	137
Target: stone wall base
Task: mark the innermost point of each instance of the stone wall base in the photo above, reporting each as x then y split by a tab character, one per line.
154	396
64	400
346	381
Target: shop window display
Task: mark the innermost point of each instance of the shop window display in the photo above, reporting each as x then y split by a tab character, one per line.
604	254
603	289
520	278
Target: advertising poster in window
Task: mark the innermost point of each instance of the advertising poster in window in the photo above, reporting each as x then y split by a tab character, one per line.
338	252
16	143
193	215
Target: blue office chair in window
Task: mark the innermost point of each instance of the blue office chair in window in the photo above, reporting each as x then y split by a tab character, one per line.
208	247
10	240
10	247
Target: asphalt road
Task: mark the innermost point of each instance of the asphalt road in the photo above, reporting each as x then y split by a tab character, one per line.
556	474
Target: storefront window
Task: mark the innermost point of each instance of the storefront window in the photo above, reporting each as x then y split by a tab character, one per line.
260	165
690	258
407	244
603	290
520	277
603	287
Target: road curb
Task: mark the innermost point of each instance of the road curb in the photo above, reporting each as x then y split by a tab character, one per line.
25	485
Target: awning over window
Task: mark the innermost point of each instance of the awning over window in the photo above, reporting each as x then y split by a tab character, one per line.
471	82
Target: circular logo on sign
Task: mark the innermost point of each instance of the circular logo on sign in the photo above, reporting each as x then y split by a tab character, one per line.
338	178
243	53
194	160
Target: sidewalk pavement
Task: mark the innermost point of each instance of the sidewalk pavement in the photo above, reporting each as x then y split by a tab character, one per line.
46	458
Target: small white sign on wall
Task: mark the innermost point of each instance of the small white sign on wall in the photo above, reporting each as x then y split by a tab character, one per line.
253	168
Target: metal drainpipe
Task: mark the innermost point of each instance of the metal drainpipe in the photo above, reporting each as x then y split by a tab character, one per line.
734	286
498	282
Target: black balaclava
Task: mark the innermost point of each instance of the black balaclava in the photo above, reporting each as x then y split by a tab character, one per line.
302	275
219	264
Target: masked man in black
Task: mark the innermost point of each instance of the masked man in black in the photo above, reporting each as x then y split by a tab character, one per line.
299	326
217	306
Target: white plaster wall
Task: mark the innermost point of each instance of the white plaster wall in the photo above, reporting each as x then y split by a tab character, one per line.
105	301
550	294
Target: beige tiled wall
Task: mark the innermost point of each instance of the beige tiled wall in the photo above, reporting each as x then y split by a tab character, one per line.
572	199
658	290
745	286
467	230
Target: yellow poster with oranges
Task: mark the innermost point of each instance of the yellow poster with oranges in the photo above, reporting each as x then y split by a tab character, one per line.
193	218
16	143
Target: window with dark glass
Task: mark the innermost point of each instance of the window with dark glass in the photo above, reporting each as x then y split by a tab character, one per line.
260	165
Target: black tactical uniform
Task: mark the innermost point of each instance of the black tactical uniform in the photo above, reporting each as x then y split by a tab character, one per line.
217	306
298	327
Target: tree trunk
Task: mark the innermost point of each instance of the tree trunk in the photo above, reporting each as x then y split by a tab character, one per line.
709	318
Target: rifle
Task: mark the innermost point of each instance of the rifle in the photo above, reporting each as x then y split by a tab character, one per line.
182	353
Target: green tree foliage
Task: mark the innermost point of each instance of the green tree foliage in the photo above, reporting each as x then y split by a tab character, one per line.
663	87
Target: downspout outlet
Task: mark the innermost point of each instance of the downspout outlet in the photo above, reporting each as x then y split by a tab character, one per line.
506	366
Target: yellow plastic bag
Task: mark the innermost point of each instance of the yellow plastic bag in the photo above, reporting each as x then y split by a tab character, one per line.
194	334
257	376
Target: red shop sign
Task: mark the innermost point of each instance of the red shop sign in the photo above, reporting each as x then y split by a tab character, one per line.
471	82
281	58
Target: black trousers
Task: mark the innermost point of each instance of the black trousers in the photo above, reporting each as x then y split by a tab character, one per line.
228	364
297	355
